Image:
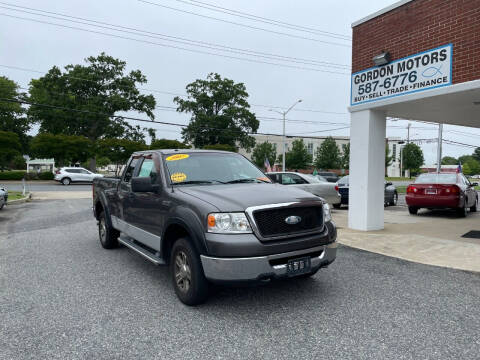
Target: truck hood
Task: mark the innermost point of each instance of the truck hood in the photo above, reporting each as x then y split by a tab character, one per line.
238	197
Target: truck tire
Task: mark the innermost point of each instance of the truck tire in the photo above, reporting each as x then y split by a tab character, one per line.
107	234
66	181
186	270
394	200
413	210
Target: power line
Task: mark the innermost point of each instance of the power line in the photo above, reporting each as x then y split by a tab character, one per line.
166	92
321	131
244	25
172	46
174	39
264	19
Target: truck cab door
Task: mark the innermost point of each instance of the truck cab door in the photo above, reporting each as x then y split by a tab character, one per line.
125	194
147	211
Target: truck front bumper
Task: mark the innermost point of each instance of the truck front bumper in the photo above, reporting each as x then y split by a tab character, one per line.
264	267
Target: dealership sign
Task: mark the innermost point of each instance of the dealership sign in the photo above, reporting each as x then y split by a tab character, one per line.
423	71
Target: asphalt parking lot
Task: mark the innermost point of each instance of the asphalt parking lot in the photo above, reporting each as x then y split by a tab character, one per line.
46	186
63	297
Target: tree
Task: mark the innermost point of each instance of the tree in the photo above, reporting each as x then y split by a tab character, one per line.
168	144
118	150
449	160
473	166
97	91
476	154
222	147
9	147
466	169
65	149
220	113
412	157
328	155
465	158
18	162
264	151
345	157
12	114
298	157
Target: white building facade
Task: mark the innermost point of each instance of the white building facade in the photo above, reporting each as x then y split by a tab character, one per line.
312	143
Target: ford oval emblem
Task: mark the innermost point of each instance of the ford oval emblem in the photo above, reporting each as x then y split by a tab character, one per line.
292	220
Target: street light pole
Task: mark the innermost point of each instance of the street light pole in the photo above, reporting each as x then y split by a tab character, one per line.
284	114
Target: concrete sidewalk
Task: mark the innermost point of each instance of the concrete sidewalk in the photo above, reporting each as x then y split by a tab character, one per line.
61	195
432	237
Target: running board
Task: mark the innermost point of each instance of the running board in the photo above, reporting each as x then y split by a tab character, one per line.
132	244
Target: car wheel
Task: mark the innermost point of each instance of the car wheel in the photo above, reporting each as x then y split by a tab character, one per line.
474	207
463	211
186	269
337	206
394	200
1	206
107	234
66	181
413	210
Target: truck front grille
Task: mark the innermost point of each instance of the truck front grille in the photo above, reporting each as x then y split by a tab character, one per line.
273	222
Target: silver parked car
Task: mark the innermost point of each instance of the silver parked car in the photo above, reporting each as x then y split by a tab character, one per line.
3	196
67	175
326	190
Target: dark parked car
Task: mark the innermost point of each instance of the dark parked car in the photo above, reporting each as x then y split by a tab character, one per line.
391	194
440	191
329	176
212	216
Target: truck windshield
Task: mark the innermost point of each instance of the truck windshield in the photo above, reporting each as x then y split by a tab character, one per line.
211	168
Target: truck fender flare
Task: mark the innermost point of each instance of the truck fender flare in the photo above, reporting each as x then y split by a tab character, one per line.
103	201
187	219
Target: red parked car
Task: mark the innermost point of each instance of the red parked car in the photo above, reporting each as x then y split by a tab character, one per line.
441	191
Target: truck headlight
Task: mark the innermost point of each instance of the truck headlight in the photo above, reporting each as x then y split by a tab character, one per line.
228	223
327	215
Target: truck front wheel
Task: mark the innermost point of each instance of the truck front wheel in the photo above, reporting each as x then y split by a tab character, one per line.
188	278
107	234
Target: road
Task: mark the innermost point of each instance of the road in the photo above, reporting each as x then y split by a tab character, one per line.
64	297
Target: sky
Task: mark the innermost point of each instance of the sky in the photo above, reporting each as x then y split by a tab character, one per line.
316	71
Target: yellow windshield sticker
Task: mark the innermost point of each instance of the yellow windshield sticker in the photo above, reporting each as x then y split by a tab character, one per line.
177	157
178	177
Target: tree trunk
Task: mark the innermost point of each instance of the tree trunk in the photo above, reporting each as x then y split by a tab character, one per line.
92	166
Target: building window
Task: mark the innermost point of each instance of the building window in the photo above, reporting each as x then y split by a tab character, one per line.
310	148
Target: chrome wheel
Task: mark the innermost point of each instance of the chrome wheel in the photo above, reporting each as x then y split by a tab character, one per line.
102	230
183	274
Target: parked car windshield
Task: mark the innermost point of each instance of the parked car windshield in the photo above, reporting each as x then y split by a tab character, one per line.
211	168
436	179
343	181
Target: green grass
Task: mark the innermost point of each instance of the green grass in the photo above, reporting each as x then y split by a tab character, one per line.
14	195
401	189
398	179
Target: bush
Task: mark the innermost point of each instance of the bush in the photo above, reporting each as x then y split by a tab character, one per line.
12	175
46	175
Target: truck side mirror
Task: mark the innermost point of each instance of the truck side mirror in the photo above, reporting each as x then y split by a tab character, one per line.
143	184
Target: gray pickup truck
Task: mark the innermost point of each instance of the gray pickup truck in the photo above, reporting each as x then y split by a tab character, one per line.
212	216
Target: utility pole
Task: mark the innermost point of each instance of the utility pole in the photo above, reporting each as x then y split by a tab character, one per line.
284	114
408	133
439	148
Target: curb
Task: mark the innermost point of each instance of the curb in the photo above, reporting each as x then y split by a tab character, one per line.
19	201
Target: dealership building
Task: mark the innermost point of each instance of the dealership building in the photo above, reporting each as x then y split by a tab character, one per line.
418	60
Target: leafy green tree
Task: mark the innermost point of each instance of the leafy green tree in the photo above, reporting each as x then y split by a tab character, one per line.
10	147
12	114
465	158
345	157
65	149
473	166
328	155
118	150
18	163
412	157
222	147
297	157
449	160
466	169
220	113
168	144
264	151
476	154
98	91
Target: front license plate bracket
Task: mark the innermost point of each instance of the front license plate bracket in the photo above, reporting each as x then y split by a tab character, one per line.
299	266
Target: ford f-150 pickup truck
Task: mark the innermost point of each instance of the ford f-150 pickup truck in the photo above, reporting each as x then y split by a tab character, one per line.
212	216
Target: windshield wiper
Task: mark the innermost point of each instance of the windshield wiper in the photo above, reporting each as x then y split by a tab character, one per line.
237	181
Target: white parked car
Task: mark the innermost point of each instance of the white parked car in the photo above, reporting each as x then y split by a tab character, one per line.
313	184
3	197
67	175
